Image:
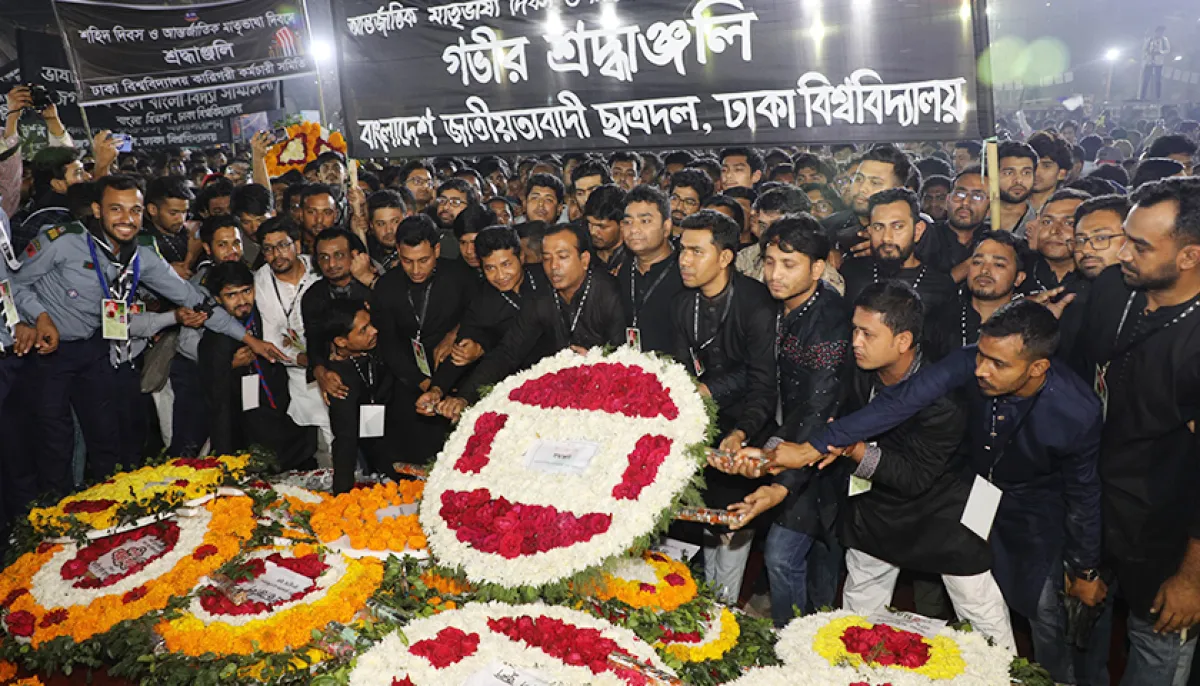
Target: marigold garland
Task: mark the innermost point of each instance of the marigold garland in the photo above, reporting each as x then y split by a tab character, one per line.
673	584
721	636
7	671
352	515
945	660
279	631
179	481
304	143
232	522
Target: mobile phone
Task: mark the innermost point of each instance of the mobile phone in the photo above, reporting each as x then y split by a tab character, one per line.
124	142
280	133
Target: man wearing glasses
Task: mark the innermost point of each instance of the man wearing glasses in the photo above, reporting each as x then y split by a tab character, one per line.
689	189
418	177
946	246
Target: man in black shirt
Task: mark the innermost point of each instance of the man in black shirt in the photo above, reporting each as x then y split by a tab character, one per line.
724	332
650	281
167	199
385	210
946	245
417	310
894	229
360	420
1054	228
582	311
881	168
995	270
1142	337
337	251
603	212
247	395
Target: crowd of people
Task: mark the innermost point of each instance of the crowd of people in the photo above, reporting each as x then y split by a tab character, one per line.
1002	406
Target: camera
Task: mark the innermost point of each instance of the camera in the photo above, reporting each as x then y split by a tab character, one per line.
39	96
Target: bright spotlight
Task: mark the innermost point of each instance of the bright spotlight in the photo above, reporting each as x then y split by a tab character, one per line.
554	24
818	30
1112	54
964	11
1179	58
608	17
321	50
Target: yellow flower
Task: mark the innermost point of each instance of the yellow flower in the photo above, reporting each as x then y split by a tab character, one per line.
945	659
712	647
674	588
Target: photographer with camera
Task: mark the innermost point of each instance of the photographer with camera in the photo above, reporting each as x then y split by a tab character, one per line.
21	99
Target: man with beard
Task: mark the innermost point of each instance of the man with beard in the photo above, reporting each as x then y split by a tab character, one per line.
689	190
417	177
544	195
454	196
417	310
995	270
511	286
280	285
585	178
78	285
1139	338
895	227
582	311
167	199
946	246
1018	163
385	210
1099	234
881	168
650	280
248	396
811	169
626	169
604	211
319	211
723	330
1055	227
1054	163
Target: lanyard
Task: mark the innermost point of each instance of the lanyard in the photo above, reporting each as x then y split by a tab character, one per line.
508	299
696	320
633	274
587	288
1118	352
368	378
262	379
916	284
6	247
135	265
424	306
966	303
998	451
287	311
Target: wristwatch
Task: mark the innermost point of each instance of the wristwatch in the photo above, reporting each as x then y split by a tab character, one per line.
1088	575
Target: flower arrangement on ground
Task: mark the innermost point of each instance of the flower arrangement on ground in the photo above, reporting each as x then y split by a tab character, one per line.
555	643
564	466
151	490
375	519
651	581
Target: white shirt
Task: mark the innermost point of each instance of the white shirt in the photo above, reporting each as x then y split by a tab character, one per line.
279	306
1156	50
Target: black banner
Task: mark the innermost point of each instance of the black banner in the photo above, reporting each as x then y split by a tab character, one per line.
182	48
426	78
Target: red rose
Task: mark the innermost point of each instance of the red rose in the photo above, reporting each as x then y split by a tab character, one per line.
53	617
403	682
204	551
647	588
182	483
134	595
12	596
674	579
20	623
74	569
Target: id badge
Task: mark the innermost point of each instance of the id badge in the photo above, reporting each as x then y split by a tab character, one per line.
137	308
1100	386
249	392
418	349
10	304
858	485
370	421
633	338
981	507
697	365
115	320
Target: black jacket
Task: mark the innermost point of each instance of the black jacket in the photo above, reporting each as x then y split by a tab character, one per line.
814	363
313	308
397	304
934	287
940	248
653	313
543	328
739	369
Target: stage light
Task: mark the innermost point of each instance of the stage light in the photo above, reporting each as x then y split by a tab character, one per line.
608	16
322	50
964	10
817	31
1112	54
554	24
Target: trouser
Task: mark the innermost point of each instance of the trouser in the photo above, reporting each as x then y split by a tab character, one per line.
422	436
11	454
787	568
1157	659
1152	74
1051	647
189	412
79	376
725	557
824	572
130	414
976	598
293	445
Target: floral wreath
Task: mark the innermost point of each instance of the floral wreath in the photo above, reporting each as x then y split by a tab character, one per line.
223	624
841	647
495	506
559	644
718	635
158	488
372	521
305	142
54	591
652	581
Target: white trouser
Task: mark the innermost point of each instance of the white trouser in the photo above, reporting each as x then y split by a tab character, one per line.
725	559
164	405
976	599
308	409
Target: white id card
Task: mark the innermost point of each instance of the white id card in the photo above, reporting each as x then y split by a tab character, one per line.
250	392
981	507
10	304
859	485
114	320
370	421
633	338
418	349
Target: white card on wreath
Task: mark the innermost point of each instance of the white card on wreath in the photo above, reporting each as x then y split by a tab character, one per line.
676	549
561	457
907	621
275	585
501	674
125	556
